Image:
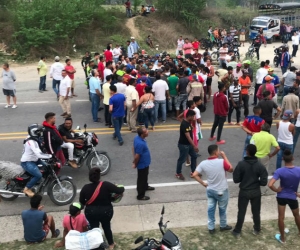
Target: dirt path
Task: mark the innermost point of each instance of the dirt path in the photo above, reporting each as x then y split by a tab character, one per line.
131	26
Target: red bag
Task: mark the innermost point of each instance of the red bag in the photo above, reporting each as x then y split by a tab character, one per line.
95	194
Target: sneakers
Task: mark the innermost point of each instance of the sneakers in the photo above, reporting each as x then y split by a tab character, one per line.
63	114
28	192
7	106
235	234
14	106
212	231
73	164
188	164
67	116
212	138
254	232
220	142
225	228
180	177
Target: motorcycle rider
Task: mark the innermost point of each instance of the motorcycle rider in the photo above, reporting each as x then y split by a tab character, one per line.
256	44
31	156
66	131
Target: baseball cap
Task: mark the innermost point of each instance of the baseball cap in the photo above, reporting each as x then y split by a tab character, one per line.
239	65
287	115
132	37
75	208
144	78
56	58
247	62
270	69
269	78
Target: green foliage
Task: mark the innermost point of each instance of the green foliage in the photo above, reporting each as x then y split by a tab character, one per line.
40	23
136	4
236	16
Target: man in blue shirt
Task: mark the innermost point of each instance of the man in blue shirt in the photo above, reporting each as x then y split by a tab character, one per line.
95	93
141	162
36	222
134	45
117	105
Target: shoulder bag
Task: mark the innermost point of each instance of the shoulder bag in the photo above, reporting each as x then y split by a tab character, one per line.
95	194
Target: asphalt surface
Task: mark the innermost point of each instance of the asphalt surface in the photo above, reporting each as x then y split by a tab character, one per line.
32	106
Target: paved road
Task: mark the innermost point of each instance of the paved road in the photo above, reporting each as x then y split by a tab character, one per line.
162	143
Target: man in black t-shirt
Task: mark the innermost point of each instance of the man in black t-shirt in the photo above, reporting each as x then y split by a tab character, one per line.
267	105
66	131
186	144
181	89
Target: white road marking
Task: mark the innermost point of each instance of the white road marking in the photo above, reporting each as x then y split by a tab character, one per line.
36	102
82	100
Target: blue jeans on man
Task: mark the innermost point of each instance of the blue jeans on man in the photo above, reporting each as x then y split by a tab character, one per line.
163	106
214	198
247	142
32	168
55	86
117	122
95	106
42	86
296	136
283	146
184	151
286	90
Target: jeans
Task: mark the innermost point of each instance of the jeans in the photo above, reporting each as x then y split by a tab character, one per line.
222	61
184	151
238	112
214	197
257	85
283	146
283	69
32	168
55	86
245	99
295	49
181	100
218	122
128	12
142	182
296	136
95	106
42	83
162	105
247	142
172	101
257	53
286	90
101	214
116	60
118	121
254	196
148	115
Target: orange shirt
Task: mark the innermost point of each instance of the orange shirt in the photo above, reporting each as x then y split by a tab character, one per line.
245	82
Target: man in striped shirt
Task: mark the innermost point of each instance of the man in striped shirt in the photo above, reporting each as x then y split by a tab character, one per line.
235	101
252	124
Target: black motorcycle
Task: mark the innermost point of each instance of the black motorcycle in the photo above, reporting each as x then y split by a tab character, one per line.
169	241
277	52
86	153
60	189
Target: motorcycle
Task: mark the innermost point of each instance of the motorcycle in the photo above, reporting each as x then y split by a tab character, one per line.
236	53
215	55
87	153
169	241
250	53
276	57
60	189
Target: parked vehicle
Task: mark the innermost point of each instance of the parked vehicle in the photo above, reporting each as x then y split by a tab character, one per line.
60	189
87	153
215	55
169	241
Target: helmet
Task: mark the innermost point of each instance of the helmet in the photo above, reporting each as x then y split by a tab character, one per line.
35	130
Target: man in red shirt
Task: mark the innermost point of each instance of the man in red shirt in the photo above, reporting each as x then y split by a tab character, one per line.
70	72
196	44
101	68
127	76
128	8
221	108
108	55
268	86
197	57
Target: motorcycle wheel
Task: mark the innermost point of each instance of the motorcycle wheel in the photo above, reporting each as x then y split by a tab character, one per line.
214	56
275	63
62	197
6	197
104	164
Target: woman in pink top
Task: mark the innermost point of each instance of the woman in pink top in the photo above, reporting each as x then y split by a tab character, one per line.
187	48
266	86
75	221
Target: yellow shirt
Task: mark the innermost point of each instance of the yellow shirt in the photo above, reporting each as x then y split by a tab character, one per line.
43	68
263	142
131	94
106	93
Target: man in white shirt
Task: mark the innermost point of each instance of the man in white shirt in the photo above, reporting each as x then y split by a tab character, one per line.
55	74
223	51
180	43
132	98
121	87
216	186
64	94
261	73
116	53
160	89
107	71
295	43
